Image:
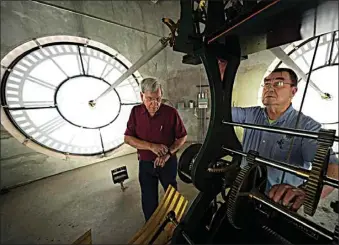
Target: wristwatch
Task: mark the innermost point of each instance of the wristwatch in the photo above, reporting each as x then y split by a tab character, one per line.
169	152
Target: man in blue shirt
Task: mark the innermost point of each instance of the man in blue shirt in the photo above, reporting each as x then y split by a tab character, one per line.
278	90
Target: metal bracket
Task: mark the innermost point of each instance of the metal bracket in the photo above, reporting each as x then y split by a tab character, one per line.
26	140
37	42
6	68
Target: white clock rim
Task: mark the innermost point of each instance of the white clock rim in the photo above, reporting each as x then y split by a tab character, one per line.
290	47
19	50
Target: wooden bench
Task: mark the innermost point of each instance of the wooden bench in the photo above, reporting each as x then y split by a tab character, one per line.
172	200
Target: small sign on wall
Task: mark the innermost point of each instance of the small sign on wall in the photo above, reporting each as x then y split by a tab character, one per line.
202	103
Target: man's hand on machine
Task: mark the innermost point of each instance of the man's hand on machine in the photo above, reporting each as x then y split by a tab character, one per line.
160	161
287	195
158	149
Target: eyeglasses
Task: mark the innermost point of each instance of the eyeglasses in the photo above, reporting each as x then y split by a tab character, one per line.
276	84
150	99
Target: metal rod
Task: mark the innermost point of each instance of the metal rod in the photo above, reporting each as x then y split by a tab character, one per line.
160	229
136	103
160	45
332	46
308	81
259	197
28	108
186	175
171	217
300	172
188	240
331	182
291	132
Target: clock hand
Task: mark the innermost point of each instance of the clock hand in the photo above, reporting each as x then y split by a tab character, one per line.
280	54
159	46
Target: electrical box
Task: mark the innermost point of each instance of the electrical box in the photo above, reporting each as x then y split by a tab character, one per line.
202	100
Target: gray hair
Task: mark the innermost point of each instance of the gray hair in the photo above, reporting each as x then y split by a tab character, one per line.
151	85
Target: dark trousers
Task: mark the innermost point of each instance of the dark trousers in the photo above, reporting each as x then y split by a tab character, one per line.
149	178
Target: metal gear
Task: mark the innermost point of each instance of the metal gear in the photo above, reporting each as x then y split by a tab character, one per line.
233	194
217	168
186	162
278	239
314	183
241	186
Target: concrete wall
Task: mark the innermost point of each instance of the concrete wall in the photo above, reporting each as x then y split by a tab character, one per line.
136	28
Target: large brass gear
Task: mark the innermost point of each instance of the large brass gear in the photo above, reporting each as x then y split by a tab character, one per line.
314	183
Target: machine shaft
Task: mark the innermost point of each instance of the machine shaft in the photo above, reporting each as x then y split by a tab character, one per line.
291	132
259	197
302	173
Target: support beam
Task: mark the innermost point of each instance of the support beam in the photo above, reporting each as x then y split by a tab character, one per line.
280	54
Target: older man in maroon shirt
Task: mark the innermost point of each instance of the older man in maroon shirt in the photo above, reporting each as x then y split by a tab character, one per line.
158	132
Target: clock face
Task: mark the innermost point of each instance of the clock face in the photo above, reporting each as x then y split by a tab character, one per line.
324	75
46	87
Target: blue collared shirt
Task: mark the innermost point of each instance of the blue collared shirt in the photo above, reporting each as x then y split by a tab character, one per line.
276	146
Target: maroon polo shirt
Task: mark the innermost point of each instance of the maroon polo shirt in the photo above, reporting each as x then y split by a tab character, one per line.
163	128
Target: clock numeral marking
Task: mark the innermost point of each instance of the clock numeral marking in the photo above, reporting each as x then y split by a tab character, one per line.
130	101
75	134
21	67
52	125
38	54
110	70
88	63
103	71
135	103
81	61
12	92
41	82
57	65
335	57
38	103
13	78
329	50
31	58
60	49
52	50
102	142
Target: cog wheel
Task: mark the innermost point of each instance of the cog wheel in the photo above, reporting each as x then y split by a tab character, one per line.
278	239
246	180
186	162
314	183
